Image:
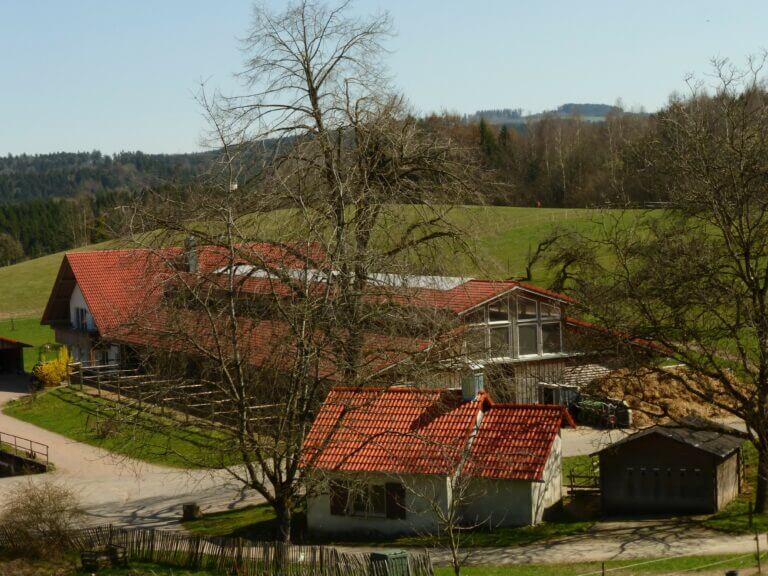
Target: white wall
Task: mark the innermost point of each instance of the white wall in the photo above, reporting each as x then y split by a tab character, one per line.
419	516
498	503
78	301
549	492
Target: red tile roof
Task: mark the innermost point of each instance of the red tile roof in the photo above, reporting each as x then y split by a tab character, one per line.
515	440
410	431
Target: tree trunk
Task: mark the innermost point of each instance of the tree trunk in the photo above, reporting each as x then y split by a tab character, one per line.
761	494
284	516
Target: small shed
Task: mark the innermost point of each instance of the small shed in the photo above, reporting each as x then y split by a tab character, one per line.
666	469
11	355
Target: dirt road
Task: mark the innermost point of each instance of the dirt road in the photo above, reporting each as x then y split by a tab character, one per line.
116	489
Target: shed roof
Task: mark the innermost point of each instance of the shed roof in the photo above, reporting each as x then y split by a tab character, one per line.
717	442
9	343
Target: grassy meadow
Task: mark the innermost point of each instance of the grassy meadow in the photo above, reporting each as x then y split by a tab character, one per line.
105	424
499	236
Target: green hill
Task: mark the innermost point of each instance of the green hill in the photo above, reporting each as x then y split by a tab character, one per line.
503	236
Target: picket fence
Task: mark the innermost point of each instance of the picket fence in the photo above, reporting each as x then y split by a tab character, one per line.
230	556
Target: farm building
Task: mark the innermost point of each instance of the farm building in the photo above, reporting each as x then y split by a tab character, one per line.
386	457
107	304
664	469
11	356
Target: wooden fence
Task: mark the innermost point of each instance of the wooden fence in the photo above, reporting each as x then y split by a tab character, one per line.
223	555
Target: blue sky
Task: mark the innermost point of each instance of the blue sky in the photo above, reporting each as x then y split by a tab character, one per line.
121	74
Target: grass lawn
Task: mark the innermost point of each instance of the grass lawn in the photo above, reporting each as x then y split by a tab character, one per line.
257	522
29	331
716	564
77	416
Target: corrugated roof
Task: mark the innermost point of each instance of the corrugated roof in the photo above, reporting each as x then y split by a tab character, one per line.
717	442
410	431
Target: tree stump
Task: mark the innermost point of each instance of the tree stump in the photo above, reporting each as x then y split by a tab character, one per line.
190	511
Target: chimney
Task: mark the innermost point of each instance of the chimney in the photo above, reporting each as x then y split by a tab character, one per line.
190	253
472	383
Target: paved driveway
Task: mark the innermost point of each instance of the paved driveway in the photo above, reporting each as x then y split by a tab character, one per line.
116	489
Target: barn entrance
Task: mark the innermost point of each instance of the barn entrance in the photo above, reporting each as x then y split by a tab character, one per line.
12	356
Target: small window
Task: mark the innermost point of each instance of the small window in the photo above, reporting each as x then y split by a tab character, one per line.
476	345
549	312
498	311
550	336
528	342
476	317
526	309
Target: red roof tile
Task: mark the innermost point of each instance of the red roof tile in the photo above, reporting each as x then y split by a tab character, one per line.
410	431
515	440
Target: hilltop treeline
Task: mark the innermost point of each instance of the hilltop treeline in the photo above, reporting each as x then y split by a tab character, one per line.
53	202
562	162
68	175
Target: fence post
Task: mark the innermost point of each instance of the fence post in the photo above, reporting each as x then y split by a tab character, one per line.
757	545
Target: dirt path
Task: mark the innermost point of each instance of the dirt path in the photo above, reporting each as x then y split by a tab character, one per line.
619	541
116	489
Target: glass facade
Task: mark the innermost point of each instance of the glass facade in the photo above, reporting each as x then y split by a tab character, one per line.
512	327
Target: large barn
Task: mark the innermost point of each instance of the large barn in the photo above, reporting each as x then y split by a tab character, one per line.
663	469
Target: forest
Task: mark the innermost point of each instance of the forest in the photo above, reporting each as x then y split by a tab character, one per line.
53	202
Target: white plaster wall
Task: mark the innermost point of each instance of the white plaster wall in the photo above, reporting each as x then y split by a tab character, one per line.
549	492
498	503
419	516
516	502
78	301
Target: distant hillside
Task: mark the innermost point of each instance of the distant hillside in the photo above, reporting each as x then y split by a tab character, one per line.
72	174
515	116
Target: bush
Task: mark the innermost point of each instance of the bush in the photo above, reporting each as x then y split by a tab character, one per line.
41	515
52	373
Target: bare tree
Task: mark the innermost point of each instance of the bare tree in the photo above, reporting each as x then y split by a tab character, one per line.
692	281
299	248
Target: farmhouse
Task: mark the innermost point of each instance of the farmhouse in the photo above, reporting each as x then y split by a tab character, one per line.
11	356
516	334
670	470
386	458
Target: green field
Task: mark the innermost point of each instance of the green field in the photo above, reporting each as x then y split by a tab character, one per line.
103	423
30	331
499	236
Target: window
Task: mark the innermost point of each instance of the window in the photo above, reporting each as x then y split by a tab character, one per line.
371	500
550	336
549	312
498	311
382	500
476	345
81	319
528	342
515	326
500	341
526	309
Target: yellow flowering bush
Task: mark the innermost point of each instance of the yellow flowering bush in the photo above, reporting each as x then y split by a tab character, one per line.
53	372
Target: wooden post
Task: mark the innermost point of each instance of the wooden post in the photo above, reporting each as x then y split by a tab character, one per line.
602	568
